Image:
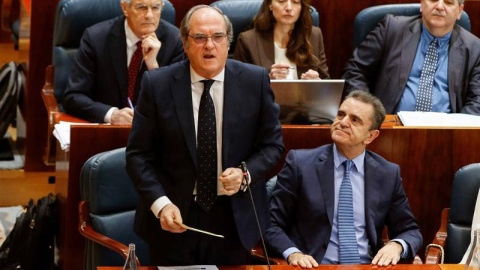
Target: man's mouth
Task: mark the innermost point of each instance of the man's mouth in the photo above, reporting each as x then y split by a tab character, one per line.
208	56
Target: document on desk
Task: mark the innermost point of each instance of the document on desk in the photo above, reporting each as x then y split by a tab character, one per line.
437	119
61	131
189	267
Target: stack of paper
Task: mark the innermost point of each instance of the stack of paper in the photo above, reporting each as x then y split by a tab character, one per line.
436	119
62	133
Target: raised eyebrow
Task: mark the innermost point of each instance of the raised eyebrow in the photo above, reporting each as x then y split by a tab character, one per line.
355	116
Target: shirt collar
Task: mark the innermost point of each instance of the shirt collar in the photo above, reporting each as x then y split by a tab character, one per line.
338	159
429	37
194	77
132	39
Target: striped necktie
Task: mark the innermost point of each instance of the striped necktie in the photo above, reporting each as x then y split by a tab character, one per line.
347	241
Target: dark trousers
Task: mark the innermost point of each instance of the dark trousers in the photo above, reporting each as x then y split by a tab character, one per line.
193	248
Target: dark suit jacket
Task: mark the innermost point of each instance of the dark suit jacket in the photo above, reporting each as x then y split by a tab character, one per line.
99	77
382	64
161	151
257	48
302	203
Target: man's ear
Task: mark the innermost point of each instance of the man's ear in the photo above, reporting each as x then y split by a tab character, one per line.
124	8
373	134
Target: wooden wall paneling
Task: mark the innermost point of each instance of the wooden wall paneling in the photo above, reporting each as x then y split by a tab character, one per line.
41	36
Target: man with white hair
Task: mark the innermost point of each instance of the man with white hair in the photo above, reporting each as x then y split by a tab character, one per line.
105	78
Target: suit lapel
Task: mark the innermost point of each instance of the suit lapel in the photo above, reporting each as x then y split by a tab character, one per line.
267	50
325	174
117	50
373	188
231	106
182	98
456	60
411	38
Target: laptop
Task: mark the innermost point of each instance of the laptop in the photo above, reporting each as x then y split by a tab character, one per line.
307	102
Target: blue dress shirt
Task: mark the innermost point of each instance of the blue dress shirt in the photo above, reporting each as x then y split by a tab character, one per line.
441	98
357	177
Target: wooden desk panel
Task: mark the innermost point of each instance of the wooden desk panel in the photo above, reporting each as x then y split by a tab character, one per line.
428	158
326	267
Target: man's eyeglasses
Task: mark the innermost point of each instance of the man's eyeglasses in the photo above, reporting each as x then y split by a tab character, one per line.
202	39
144	8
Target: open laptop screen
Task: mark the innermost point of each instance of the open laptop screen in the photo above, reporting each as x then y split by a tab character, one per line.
306	102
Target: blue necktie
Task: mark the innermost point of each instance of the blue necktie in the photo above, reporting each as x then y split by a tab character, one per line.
347	241
206	150
427	77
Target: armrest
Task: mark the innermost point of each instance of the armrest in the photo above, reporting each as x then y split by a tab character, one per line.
54	115
434	252
257	253
85	228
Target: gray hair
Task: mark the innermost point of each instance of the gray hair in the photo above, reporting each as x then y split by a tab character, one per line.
185	25
128	2
378	109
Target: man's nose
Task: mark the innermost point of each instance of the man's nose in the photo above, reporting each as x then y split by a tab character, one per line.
345	121
440	5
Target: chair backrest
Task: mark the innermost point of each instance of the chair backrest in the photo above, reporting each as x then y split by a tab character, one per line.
242	12
367	19
466	184
104	183
71	19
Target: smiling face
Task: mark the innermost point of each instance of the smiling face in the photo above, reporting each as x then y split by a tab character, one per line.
286	12
439	16
207	59
142	16
351	129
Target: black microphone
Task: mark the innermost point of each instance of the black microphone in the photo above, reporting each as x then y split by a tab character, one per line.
245	177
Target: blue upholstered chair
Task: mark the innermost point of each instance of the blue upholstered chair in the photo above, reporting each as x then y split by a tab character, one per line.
107	211
71	19
242	12
456	224
367	19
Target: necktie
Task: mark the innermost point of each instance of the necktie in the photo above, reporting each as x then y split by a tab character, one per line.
206	150
133	68
425	87
348	248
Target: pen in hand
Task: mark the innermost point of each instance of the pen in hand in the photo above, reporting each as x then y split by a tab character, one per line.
130	103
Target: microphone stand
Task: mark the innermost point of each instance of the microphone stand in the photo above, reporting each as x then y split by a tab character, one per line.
245	177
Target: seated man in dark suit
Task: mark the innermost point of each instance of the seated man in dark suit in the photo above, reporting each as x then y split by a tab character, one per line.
105	78
420	63
332	202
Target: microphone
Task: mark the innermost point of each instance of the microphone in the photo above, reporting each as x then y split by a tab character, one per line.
243	166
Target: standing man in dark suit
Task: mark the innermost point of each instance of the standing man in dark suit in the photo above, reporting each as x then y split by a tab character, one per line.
105	78
195	122
391	61
309	206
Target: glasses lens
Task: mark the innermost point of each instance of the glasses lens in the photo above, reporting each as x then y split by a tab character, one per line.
218	38
199	39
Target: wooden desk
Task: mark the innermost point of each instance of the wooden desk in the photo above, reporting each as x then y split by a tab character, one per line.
326	267
428	158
